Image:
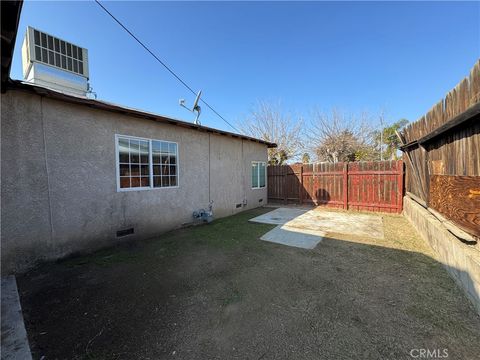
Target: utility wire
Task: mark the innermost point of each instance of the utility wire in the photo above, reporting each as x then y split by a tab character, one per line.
164	65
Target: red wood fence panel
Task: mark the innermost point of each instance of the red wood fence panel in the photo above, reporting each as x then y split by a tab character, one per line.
371	186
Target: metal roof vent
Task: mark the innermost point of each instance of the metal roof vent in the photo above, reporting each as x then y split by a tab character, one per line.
54	63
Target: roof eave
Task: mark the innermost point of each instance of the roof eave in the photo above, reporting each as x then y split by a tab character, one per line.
10	18
97	104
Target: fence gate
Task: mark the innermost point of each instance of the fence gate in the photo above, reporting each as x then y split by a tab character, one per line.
372	186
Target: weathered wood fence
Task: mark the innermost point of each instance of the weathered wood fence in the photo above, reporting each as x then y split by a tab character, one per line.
372	186
442	155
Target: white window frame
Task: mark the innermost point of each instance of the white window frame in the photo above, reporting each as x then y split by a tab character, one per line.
150	164
258	174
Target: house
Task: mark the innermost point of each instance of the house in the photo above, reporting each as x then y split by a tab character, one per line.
79	174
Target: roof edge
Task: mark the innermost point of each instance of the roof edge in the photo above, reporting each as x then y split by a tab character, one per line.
102	105
10	11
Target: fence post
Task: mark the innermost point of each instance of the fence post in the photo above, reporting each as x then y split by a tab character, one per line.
300	189
285	174
345	185
400	186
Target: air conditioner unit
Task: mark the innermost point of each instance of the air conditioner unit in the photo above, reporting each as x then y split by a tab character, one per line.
55	63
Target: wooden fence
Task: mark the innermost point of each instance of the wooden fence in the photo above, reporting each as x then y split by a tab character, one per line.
371	186
442	156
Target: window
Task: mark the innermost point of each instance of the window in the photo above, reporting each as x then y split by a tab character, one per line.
146	164
258	174
164	156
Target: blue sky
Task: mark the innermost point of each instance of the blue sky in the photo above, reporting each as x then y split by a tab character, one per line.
362	56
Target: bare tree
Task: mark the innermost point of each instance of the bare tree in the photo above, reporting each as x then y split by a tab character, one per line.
270	123
336	136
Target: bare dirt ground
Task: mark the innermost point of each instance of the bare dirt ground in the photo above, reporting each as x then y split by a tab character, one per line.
217	292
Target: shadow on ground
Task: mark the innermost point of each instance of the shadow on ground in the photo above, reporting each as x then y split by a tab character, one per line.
217	292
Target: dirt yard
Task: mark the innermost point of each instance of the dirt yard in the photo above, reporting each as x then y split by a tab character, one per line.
217	292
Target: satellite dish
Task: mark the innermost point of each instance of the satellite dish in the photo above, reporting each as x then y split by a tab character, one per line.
197	99
196	108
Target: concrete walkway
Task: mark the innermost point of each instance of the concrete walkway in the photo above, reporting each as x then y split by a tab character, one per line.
14	337
289	236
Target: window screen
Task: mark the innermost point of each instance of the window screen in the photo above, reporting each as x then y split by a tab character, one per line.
134	164
254	175
164	155
261	175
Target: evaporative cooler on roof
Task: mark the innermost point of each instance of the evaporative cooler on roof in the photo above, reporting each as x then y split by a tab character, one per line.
53	62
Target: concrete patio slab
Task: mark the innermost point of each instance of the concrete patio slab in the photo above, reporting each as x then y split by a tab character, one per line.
279	216
326	221
302	238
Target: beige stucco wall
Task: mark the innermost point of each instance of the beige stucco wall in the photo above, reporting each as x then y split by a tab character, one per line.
59	191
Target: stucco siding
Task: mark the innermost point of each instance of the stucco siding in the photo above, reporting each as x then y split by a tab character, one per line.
254	152
226	168
25	210
59	185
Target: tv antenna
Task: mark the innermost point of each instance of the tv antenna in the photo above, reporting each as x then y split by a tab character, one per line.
195	109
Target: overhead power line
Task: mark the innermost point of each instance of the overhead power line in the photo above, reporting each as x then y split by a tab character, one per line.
164	65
